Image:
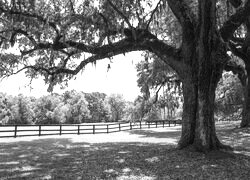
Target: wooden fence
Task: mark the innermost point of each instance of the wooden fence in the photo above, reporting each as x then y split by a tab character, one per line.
97	128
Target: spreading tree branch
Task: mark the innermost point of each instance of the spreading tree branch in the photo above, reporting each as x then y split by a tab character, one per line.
36	68
171	55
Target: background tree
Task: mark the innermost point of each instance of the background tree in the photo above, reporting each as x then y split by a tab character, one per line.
97	107
55	35
154	75
129	114
6	114
21	110
44	109
77	108
117	106
140	108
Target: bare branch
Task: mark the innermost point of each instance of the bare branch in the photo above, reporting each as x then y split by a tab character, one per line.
156	94
107	28
25	33
34	68
120	13
152	14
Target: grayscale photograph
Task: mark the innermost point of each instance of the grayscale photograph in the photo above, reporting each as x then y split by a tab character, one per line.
124	89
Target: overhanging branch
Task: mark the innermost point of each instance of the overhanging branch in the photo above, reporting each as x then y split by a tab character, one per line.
106	51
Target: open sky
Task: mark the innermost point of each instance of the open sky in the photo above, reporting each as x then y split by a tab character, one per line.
121	78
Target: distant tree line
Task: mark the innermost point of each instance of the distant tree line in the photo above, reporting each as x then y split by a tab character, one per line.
74	107
69	108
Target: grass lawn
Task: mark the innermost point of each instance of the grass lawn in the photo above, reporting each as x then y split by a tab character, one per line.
138	154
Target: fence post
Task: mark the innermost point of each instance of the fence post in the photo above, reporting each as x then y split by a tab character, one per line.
119	126
15	131
60	129
140	124
107	128
163	123
131	126
78	129
156	124
93	129
39	130
169	123
148	125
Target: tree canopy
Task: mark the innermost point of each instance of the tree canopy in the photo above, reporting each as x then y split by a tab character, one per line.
57	39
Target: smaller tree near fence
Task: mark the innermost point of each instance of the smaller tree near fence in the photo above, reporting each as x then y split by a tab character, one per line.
97	106
44	109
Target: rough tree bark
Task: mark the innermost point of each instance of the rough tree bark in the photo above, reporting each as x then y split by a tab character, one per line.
246	50
189	113
245	122
203	56
199	94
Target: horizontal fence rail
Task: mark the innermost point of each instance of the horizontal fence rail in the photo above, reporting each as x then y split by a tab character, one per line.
96	128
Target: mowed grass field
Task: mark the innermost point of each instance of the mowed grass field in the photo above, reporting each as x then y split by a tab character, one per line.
137	154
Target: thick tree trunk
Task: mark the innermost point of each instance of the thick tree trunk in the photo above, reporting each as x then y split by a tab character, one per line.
246	104
198	127
205	134
189	113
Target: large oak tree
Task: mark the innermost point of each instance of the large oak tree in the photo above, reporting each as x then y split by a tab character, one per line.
57	39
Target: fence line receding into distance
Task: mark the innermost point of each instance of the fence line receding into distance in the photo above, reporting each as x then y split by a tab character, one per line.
97	128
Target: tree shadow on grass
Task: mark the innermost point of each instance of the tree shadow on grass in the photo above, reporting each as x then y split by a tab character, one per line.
171	135
238	138
62	158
